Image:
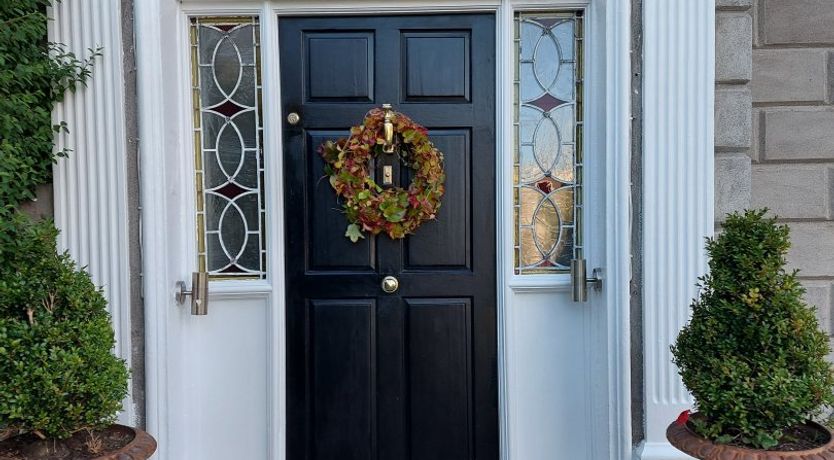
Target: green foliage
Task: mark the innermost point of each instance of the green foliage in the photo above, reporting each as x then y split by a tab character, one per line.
34	75
753	355
57	372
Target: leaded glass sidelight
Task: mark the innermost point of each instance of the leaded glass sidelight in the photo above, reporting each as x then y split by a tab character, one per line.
548	149
228	139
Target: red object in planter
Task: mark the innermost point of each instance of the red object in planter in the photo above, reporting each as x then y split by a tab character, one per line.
683	418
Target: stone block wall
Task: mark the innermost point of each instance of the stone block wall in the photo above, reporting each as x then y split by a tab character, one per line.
793	112
733	104
775	126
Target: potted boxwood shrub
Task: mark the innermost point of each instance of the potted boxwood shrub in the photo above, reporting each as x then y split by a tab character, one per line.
60	384
753	355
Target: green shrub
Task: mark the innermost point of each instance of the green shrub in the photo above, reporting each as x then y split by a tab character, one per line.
753	355
57	372
34	75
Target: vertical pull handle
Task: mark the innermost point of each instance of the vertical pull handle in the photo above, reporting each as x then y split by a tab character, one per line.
198	293
388	128
580	281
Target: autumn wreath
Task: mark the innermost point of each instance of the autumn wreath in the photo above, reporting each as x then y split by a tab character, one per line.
370	207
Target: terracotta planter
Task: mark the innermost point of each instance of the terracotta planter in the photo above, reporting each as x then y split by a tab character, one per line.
141	448
690	443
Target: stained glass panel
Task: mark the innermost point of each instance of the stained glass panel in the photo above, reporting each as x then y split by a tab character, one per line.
228	147
548	128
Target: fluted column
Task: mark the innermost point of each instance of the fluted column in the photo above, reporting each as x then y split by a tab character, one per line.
678	89
90	186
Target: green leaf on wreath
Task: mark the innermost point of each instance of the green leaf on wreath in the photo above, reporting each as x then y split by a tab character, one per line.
354	233
394	214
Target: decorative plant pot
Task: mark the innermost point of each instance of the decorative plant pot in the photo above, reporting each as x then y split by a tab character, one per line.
119	442
141	448
690	443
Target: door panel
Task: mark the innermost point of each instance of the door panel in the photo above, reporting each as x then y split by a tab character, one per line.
409	375
352	53
440	362
453	224
328	247
436	66
341	334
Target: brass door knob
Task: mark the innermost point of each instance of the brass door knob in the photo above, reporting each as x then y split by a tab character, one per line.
293	118
390	284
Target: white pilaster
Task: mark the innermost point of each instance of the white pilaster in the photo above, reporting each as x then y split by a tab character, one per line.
679	56
91	184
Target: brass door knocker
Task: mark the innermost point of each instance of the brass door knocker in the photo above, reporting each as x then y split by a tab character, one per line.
388	128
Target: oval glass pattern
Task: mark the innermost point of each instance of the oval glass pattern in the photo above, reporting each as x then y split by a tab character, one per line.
546	144
546	61
547	167
546	226
229	170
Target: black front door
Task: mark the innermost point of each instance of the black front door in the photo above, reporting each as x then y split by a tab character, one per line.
409	375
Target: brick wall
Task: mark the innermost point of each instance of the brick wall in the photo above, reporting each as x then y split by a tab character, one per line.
788	82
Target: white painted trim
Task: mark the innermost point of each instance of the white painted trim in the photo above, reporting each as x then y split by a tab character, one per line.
617	33
678	93
606	19
608	125
153	196
275	200
504	54
90	186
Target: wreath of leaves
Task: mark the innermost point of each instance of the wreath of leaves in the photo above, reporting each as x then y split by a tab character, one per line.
369	207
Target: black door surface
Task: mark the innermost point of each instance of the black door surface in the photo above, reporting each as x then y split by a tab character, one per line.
409	375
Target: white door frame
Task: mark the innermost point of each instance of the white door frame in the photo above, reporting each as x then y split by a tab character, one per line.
163	126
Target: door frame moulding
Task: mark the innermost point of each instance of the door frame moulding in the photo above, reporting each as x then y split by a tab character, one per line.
608	53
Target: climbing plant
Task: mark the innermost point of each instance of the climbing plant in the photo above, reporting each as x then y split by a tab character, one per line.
34	75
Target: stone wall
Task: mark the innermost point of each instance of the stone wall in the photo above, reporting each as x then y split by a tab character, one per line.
775	126
733	103
793	148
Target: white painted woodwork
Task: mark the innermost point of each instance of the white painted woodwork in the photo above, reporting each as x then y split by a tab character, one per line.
678	89
548	347
90	186
213	386
191	359
563	367
566	366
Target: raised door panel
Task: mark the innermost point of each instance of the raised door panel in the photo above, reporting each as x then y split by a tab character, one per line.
327	247
342	362
339	66
446	243
437	66
440	378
